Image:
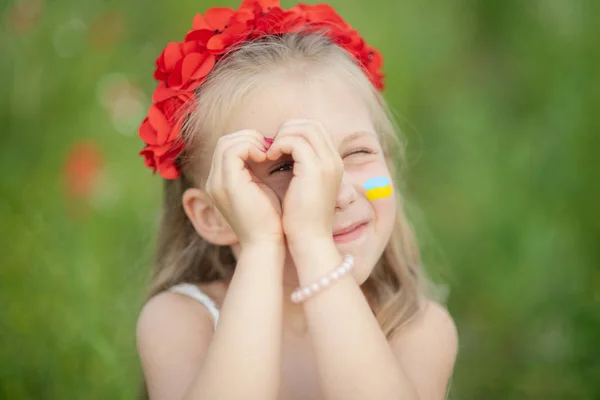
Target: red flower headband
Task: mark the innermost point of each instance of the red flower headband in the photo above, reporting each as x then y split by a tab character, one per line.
183	66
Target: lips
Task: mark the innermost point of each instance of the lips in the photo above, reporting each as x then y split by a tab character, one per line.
350	233
348	229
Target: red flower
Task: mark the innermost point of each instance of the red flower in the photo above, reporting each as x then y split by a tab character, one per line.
215	19
321	14
231	36
83	166
259	7
160	126
278	21
183	66
180	64
162	158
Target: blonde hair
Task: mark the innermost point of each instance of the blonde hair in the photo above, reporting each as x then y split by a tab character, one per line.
395	285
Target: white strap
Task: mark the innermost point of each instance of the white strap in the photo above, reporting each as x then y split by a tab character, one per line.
192	290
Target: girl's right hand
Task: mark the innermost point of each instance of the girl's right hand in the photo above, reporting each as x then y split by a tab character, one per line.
250	207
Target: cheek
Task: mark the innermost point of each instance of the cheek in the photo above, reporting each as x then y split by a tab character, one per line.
374	181
384	206
385	214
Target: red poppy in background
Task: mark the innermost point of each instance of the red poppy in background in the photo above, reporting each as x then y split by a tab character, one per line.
24	15
83	165
107	30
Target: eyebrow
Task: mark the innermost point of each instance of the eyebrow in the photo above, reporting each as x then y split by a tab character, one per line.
356	135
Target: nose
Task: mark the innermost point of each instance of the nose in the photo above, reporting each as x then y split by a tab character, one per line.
346	195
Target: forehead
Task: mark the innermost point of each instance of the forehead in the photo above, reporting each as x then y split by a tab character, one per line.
336	104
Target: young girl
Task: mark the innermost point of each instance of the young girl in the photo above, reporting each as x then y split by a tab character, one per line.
286	267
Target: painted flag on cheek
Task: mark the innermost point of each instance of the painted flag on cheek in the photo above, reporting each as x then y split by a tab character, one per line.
378	188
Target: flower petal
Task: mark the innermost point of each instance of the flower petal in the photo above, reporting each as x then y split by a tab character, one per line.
162	92
166	162
174	82
218	43
160	123
147	133
160	151
262	5
168	170
171	55
199	22
218	17
200	36
148	155
206	62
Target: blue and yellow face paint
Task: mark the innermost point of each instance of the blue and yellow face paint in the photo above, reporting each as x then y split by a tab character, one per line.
378	188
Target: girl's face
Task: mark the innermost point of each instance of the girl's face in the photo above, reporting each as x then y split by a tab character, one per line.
343	112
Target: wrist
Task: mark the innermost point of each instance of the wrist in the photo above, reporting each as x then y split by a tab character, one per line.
271	247
313	240
263	242
314	257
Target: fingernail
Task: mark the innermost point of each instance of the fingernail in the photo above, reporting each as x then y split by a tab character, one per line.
268	142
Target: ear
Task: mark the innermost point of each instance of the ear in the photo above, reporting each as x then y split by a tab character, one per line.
206	219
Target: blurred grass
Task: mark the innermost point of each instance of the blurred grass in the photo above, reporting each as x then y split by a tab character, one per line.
498	101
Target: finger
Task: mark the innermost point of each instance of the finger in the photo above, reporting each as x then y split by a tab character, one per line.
236	157
227	141
314	132
296	146
217	170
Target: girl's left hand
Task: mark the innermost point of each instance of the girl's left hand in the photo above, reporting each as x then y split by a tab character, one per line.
310	201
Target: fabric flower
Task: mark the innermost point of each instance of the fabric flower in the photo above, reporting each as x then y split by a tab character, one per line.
160	125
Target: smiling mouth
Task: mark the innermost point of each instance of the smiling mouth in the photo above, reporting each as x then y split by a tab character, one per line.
350	233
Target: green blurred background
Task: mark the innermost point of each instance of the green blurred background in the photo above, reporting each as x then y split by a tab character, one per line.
499	102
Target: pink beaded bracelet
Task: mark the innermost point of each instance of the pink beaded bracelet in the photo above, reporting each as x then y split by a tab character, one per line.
301	294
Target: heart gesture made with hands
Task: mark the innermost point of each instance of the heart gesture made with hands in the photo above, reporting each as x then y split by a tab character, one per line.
252	209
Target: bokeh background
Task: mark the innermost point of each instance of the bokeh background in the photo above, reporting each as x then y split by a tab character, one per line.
499	102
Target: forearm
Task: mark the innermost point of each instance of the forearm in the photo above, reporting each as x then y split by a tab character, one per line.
354	358
243	359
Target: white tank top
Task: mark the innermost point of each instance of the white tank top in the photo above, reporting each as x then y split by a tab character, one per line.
191	290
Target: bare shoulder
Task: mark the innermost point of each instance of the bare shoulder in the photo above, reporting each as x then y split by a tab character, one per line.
427	348
432	319
173	332
168	312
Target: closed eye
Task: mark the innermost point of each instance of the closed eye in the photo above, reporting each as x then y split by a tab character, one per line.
360	151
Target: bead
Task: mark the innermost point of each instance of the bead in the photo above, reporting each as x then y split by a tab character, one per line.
301	294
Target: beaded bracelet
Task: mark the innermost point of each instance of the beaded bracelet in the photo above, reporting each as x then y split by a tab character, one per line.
304	293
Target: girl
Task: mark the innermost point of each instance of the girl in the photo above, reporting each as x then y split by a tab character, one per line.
286	268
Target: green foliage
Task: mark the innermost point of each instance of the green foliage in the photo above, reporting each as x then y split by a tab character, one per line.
498	103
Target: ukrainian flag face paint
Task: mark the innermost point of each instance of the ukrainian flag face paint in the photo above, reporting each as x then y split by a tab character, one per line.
378	188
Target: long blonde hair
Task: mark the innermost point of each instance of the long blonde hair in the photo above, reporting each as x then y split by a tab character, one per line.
395	285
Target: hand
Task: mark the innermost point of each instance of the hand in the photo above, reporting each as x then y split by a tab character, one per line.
309	203
250	207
